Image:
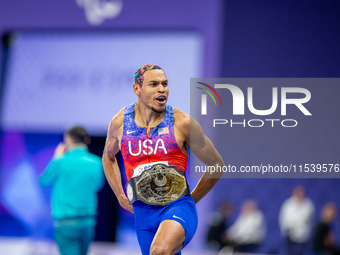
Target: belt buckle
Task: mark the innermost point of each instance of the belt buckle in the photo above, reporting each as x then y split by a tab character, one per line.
161	185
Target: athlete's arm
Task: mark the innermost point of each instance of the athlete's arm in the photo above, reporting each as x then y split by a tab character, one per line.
111	168
203	149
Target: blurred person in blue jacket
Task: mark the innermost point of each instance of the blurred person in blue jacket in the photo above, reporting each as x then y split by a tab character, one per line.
76	175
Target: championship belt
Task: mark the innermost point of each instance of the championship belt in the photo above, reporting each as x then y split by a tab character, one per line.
159	185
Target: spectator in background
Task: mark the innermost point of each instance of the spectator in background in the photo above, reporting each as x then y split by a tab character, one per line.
248	231
218	225
324	239
296	221
75	176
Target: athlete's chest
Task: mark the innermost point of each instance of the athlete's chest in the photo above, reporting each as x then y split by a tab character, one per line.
160	141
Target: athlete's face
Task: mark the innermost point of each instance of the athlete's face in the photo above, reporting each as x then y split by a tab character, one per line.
154	91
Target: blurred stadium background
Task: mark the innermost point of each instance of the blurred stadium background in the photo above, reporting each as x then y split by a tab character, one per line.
72	62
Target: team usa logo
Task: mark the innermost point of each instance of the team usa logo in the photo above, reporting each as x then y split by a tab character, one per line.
147	147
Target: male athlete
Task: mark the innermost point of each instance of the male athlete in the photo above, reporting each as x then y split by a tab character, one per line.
154	139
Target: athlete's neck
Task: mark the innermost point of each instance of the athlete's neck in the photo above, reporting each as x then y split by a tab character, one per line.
149	116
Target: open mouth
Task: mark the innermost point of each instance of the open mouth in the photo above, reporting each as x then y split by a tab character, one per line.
161	99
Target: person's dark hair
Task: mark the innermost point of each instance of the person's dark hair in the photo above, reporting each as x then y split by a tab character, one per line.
79	135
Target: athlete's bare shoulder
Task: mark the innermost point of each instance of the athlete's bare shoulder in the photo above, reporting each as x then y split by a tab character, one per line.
116	125
186	124
181	120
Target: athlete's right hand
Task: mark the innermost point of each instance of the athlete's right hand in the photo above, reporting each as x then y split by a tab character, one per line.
125	204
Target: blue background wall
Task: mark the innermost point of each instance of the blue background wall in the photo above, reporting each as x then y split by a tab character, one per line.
242	39
281	39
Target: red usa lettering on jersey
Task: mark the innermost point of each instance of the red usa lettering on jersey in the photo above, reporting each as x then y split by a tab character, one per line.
147	147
